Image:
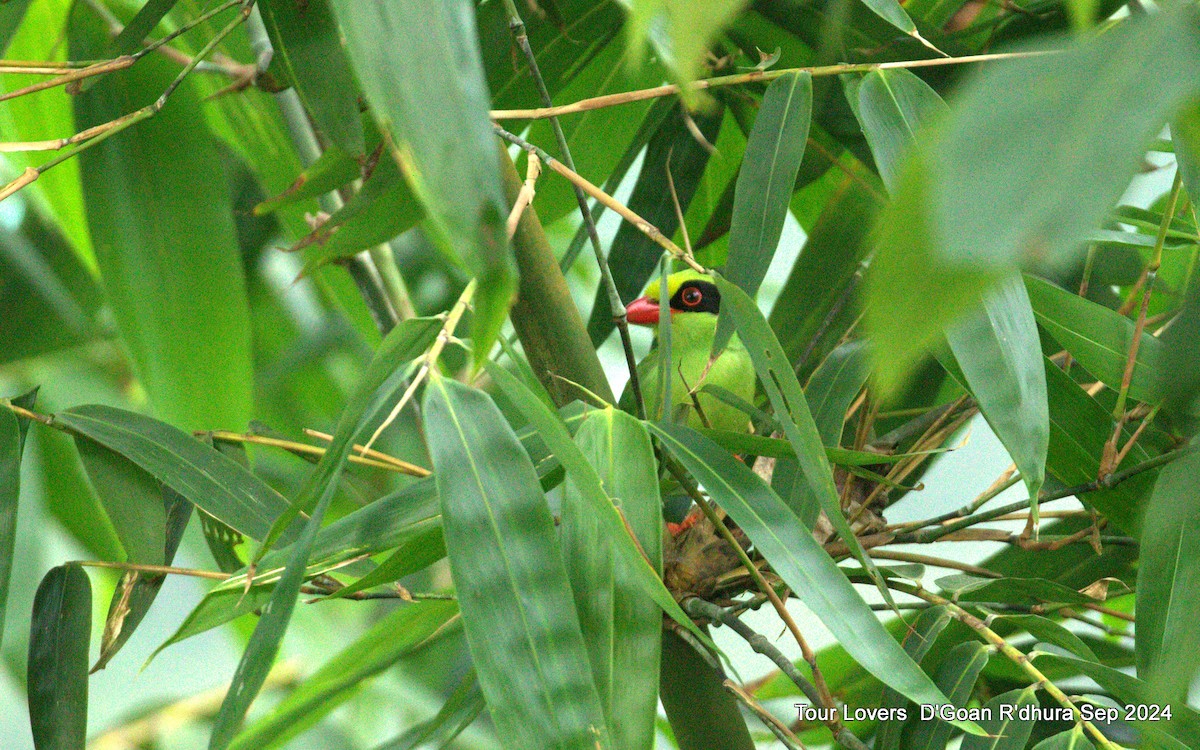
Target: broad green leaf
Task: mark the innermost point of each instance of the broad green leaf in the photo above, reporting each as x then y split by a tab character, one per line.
401	519
512	587
634	256
764	184
1011	733
60	633
420	68
216	484
1168	579
403	631
787	398
11	14
49	298
417	553
11	445
304	36
1179	374
834	386
136	591
956	677
621	622
939	243
999	353
463	706
692	25
797	559
1098	338
919	639
132	498
1072	739
1185	135
891	106
161	221
893	12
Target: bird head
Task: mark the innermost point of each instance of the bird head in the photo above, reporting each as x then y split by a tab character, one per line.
689	292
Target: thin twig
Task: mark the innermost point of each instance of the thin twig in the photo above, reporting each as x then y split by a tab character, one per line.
154	569
627	97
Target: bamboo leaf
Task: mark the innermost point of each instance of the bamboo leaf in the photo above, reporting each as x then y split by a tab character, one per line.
11	14
332	169
1045	629
305	39
421	71
703	714
132	498
893	12
834	386
692	25
892	106
1072	739
939	244
998	349
1098	338
799	561
791	408
60	633
1011	733
1167	581
217	484
766	179
161	221
918	641
137	591
403	631
463	706
139	27
956	677
518	614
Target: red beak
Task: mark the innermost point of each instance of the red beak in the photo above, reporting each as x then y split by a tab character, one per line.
643	311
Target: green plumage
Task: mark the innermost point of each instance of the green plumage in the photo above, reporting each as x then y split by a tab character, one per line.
692	334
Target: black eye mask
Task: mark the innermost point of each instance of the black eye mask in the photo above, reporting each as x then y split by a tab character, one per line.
697	296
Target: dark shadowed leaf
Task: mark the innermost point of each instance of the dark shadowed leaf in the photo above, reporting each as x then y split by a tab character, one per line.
333	169
404	630
60	632
139	27
212	481
512	586
1168	581
926	627
463	706
1049	631
11	14
132	498
1072	739
161	220
833	387
304	36
797	559
11	445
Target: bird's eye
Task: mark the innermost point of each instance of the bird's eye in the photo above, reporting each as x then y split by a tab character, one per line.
692	296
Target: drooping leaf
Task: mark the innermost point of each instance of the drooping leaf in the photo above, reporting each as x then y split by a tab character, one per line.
304	36
11	445
703	714
956	677
797	559
1168	579
463	706
333	169
213	482
1010	733
925	629
161	221
1000	356
779	380
764	183
938	243
403	631
131	497
421	71
518	613
1098	338
833	387
139	27
136	591
60	632
893	12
